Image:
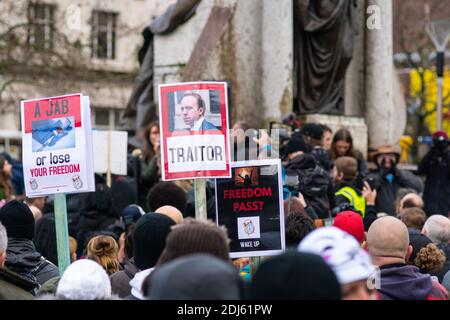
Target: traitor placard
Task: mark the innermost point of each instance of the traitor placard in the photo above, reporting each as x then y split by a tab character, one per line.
194	130
57	145
250	206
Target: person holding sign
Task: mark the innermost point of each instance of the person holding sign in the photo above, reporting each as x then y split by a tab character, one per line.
193	109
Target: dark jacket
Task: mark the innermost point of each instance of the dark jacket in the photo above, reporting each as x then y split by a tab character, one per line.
120	281
22	258
314	184
387	191
405	282
15	287
436	167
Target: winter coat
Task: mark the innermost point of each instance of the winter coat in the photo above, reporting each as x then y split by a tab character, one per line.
120	281
405	282
314	184
22	258
436	167
15	287
387	191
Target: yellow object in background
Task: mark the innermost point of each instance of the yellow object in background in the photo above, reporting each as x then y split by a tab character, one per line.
430	96
406	143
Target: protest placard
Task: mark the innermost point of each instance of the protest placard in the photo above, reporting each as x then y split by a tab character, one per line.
194	130
57	145
250	206
110	151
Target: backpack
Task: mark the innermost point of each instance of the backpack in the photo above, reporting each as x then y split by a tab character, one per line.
314	185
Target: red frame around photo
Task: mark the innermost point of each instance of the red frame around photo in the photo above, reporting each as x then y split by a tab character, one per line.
166	133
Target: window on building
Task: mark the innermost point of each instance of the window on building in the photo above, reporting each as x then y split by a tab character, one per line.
41	24
105	118
104	35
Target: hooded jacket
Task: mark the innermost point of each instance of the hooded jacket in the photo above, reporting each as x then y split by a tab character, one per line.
120	281
15	287
312	176
23	259
405	282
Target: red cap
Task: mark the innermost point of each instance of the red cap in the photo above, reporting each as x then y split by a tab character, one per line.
352	223
439	134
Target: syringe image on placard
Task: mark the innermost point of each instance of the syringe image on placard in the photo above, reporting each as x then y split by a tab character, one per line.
53	134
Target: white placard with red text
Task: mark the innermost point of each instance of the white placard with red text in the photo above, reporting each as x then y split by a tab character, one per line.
57	145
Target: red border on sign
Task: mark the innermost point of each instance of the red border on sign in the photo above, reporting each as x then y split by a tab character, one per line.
165	133
74	110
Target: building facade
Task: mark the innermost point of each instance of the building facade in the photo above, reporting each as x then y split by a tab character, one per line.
56	47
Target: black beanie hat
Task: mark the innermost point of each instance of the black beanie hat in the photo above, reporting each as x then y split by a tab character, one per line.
149	238
196	237
312	130
18	220
296	143
295	276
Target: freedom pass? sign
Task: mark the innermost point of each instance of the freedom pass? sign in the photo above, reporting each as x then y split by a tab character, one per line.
57	145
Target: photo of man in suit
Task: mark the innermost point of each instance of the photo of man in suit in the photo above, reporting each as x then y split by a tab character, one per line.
193	111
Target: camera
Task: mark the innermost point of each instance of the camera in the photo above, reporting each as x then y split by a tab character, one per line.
372	183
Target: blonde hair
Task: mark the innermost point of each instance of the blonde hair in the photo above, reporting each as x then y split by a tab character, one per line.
104	250
430	258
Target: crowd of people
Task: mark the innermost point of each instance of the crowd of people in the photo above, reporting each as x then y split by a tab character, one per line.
353	230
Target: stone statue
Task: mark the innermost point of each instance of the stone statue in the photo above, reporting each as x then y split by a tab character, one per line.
323	51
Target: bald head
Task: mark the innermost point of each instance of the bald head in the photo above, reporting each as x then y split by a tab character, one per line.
411	200
388	237
172	212
437	228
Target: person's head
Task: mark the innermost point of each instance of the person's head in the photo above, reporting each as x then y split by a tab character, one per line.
345	168
417	241
294	276
413	217
342	144
437	228
401	193
166	193
150	137
73	245
296	146
194	236
172	213
411	200
103	250
130	214
38	202
430	258
5	167
326	137
195	277
298	226
149	239
351	264
388	241
84	280
5	177
37	213
3	244
352	223
312	133
386	157
18	220
192	108
440	140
